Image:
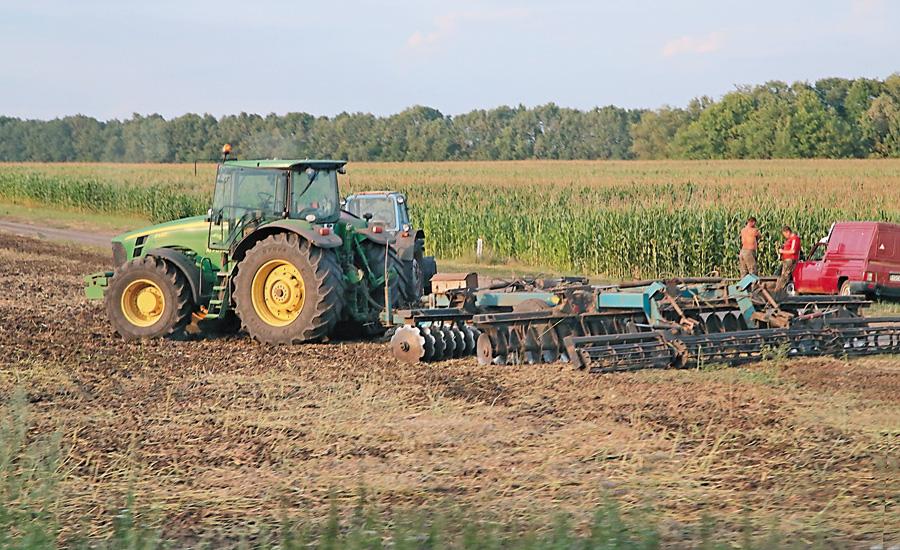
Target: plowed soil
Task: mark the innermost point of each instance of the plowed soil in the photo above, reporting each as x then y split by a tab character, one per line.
219	431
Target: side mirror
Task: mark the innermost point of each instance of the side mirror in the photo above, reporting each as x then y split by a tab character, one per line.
311	173
367	216
341	170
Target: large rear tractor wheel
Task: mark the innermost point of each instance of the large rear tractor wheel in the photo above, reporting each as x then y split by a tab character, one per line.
398	284
148	298
287	291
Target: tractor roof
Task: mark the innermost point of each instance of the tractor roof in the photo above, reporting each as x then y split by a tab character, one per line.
287	164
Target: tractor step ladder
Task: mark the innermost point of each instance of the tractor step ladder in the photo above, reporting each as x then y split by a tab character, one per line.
221	295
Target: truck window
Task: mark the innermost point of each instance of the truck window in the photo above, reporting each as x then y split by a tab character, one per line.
817	253
850	243
887	248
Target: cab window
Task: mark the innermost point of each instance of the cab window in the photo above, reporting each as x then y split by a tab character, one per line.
817	253
315	193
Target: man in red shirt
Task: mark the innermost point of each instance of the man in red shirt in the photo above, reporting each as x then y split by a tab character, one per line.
790	254
749	243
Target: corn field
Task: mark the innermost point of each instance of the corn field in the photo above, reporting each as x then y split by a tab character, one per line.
616	219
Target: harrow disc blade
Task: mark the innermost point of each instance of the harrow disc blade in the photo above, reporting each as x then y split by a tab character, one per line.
429	343
469	339
408	345
460	338
440	344
450	340
476	334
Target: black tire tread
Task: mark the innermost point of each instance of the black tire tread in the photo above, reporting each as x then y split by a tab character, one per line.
327	283
169	275
400	285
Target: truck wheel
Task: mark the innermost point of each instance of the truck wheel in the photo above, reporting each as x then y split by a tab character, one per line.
148	298
287	291
399	284
845	289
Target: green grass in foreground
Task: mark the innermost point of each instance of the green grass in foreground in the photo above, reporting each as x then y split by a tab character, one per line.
31	470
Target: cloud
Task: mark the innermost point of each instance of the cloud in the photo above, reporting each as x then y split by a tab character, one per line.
867	7
694	44
866	19
445	26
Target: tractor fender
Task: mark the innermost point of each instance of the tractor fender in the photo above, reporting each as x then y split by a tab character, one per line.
187	266
322	241
378	238
406	248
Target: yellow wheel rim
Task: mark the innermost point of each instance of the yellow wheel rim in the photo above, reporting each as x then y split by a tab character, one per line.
143	303
278	293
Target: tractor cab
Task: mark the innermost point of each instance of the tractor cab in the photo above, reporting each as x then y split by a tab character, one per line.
250	193
387	208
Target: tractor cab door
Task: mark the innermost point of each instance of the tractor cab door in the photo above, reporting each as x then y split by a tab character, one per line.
243	198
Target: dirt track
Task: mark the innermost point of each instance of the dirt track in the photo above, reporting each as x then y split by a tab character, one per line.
216	431
57	234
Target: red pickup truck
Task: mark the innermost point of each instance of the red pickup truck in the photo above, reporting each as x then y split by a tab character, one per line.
855	258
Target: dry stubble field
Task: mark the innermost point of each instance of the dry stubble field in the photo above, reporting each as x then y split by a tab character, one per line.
217	435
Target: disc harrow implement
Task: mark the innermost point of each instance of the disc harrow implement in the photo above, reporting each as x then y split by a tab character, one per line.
674	323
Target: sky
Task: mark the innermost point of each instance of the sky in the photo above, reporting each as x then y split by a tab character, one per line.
112	58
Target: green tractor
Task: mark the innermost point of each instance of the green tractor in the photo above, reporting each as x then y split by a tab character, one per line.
275	252
389	208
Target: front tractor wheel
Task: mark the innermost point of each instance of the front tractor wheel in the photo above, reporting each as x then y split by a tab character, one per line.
148	298
287	291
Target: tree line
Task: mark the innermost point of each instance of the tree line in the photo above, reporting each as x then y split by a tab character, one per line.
832	118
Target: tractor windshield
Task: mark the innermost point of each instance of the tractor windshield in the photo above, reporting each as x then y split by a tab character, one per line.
244	196
382	208
240	191
315	193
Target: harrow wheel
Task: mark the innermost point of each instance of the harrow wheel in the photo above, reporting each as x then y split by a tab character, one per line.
148	298
288	291
487	351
